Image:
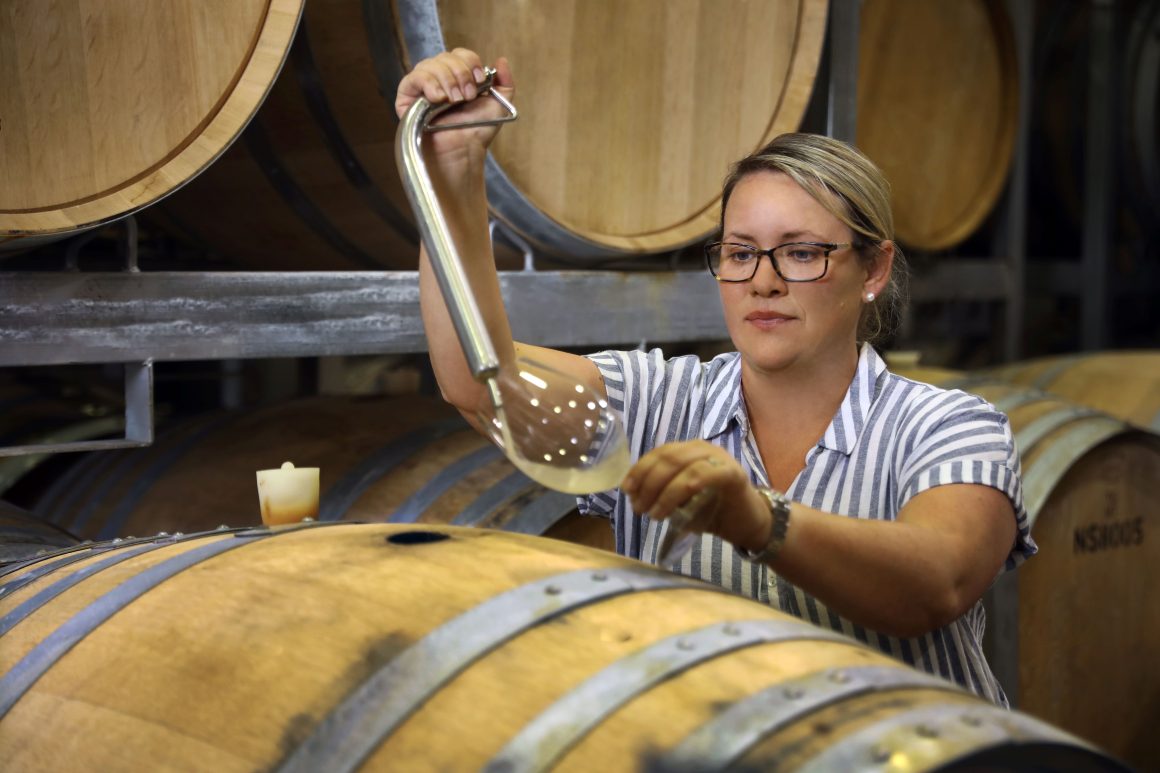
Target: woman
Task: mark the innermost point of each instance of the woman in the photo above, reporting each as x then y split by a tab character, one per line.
829	488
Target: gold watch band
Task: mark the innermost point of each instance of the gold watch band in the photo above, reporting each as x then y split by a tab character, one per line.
779	505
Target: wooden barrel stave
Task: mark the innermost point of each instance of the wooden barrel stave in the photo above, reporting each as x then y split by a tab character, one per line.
272	635
292	175
550	189
405	459
22	535
1082	470
1097	573
1123	384
317	170
939	113
138	125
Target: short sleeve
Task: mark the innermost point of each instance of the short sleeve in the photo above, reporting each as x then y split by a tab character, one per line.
968	442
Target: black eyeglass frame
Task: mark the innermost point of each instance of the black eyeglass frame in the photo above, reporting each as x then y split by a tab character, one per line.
827	248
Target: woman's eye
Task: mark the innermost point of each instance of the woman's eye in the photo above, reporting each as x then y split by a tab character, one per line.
805	254
741	255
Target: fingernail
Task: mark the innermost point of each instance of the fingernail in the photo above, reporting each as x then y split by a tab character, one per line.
440	93
469	90
478	75
456	94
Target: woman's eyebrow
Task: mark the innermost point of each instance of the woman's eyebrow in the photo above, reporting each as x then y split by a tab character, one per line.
792	236
789	236
734	235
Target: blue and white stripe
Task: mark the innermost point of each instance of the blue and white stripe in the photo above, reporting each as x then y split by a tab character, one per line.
891	439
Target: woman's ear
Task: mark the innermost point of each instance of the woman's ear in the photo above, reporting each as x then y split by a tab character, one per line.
878	270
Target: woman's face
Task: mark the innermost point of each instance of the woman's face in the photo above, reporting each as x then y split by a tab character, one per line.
776	324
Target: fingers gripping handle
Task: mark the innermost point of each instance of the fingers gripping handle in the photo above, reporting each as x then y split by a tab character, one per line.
445	260
485	89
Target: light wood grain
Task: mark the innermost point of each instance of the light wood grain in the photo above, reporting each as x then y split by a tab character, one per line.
1089	622
212	481
630	115
239	207
108	106
1124	384
234	662
1088	626
938	97
633	112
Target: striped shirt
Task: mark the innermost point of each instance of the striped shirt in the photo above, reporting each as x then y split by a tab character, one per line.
892	438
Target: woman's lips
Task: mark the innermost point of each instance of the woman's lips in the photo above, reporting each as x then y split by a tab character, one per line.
767	319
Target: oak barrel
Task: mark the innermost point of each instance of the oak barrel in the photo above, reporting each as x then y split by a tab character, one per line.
23	535
109	106
630	114
938	103
385	647
1124	384
404	459
1072	632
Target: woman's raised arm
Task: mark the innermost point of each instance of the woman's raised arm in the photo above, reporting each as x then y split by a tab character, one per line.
455	162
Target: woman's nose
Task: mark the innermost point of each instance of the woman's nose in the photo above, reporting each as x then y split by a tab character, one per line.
766	281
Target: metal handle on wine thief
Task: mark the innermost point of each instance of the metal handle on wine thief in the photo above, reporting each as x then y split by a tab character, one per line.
433	229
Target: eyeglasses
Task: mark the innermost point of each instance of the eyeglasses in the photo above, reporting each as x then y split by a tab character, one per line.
793	261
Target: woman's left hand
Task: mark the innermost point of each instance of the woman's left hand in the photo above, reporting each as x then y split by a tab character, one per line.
670	475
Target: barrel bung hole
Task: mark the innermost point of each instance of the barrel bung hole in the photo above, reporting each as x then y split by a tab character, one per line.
416	537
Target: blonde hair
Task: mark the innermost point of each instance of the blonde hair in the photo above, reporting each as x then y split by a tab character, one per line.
854	190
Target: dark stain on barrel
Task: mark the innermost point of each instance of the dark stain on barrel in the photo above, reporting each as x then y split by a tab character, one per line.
298	729
377	655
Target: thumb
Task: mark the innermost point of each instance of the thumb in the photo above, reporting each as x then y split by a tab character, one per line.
503	76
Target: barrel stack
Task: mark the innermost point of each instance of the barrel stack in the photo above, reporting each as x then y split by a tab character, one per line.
148	617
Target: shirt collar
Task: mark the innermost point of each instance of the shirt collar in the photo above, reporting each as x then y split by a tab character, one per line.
732	407
847	424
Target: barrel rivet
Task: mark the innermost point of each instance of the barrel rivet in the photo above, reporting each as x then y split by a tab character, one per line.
599	576
793	693
839	677
130	537
553	590
972	720
307	519
162	534
731	629
41	552
880	754
178	534
685	644
926	731
117	540
222	527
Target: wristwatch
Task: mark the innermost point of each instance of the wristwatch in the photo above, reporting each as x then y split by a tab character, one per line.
779	505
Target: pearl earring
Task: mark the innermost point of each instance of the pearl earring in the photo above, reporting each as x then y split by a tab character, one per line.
870	297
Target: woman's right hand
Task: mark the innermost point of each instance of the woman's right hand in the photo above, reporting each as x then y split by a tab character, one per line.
454	76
